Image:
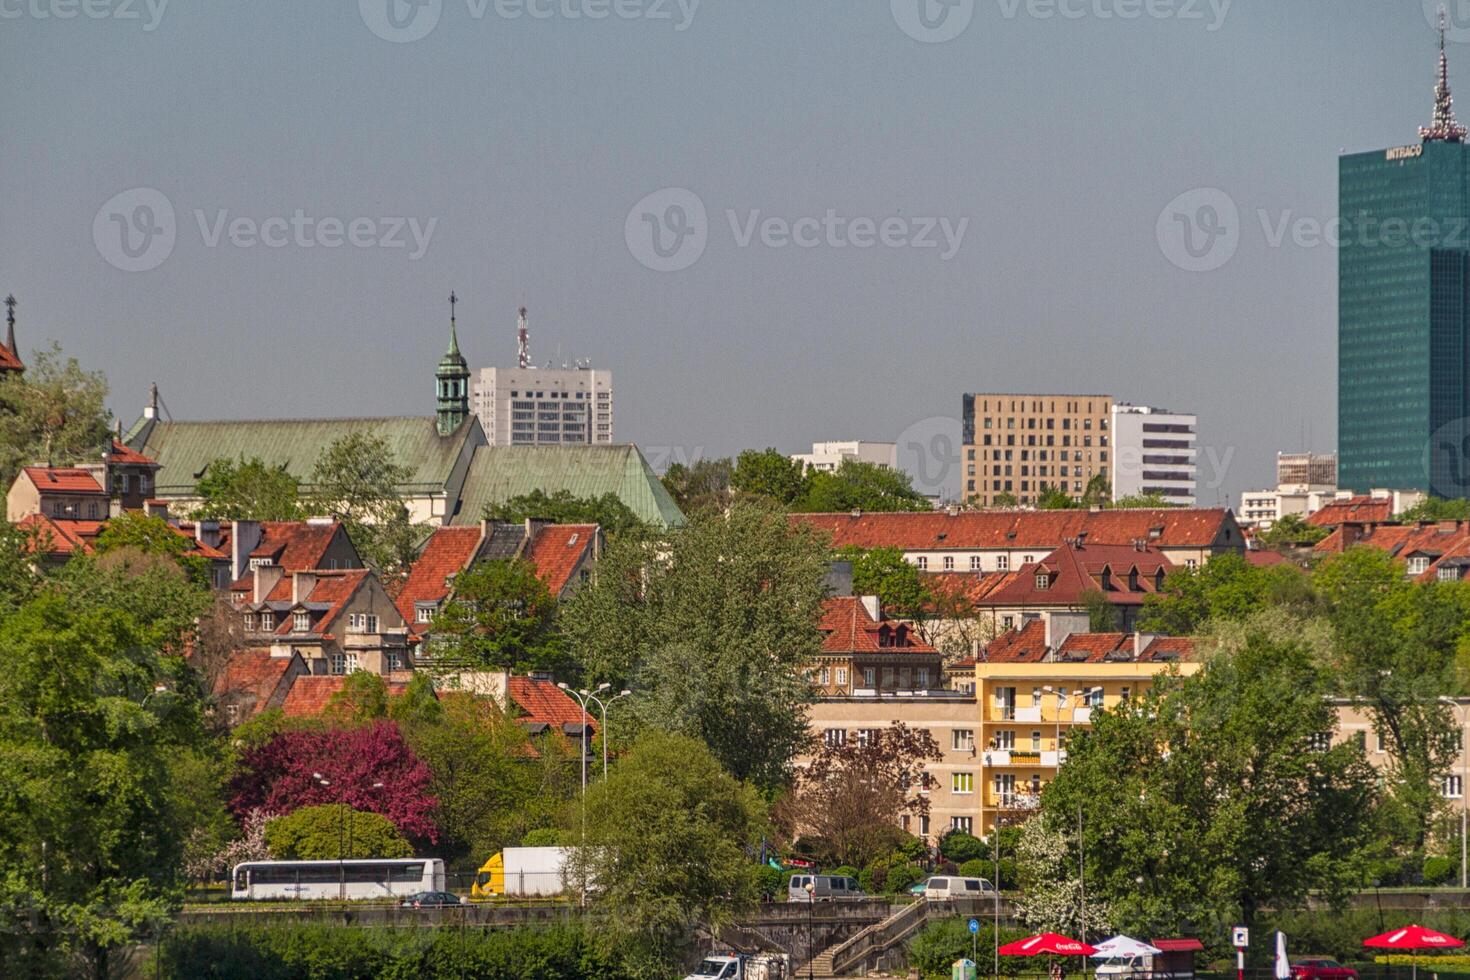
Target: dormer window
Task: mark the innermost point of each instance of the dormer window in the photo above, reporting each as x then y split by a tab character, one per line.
268	621
1133	580
261	563
1418	564
423	612
301	622
1448	573
250	622
1043	581
1107	579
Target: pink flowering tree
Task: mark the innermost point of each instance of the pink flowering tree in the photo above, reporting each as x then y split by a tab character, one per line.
280	776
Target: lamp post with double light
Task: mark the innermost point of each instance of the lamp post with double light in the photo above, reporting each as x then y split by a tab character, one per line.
602	708
583	697
344	832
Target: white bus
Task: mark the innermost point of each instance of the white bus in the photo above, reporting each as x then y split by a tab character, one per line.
355	879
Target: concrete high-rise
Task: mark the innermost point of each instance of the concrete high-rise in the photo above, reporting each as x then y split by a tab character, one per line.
543	406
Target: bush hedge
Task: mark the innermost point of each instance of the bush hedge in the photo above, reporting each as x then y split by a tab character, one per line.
1439	870
325	952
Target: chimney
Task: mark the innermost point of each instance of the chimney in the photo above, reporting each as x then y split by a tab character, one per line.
1060	625
150	411
205	532
875	610
857	512
301	585
156	508
244	538
266	577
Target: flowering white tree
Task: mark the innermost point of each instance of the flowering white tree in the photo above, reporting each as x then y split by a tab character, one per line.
203	864
1052	897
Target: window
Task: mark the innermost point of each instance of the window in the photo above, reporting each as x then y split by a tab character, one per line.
841	676
974	563
921	677
362	623
261	563
924	824
962	824
1320	741
395	662
337	663
352	665
1007	622
1043	581
868	676
923	563
1453	787
949	563
1417	564
424	612
867	736
300	622
267	621
962	783
1036	697
962	740
1447	573
826	676
1002	562
1095	698
250	622
835	737
1005	740
1035	741
1191	564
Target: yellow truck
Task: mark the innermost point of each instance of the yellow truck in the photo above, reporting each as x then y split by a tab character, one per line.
522	872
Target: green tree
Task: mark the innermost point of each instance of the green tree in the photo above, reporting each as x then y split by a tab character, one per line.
885	573
563	507
94	723
501	615
322	833
666	843
1225	587
53	412
1214	796
148	535
1143	501
1055	498
1005	499
1437	509
248	490
19	576
703	483
713	625
857	485
1102	615
356	481
1290	531
769	473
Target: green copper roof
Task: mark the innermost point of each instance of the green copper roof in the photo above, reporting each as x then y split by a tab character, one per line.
499	473
183	449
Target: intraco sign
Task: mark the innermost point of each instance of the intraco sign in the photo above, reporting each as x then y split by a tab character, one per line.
1240	937
974	925
1404	152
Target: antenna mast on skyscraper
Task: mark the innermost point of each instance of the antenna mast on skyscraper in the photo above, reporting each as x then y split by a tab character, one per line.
1443	127
523	340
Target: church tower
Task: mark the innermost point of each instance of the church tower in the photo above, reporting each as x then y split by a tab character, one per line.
452	380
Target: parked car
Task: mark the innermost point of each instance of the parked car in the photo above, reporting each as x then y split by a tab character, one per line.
431	900
1322	969
941	887
825	888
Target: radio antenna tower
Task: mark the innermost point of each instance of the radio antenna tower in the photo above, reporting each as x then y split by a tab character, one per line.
523	340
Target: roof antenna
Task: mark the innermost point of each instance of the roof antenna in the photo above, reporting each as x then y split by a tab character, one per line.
1443	127
523	340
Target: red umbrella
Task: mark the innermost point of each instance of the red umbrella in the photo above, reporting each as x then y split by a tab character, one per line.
1413	937
1047	942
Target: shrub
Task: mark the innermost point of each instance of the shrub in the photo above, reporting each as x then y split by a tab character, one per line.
1439	870
934	949
959	846
844	871
334	831
323	952
772	883
542	837
913	848
977	868
903	876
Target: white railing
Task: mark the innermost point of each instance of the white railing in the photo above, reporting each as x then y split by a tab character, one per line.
1029	714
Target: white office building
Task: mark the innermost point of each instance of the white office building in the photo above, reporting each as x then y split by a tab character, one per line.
1153	452
826	457
534	406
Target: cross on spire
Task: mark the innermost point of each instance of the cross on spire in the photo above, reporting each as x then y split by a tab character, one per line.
452	300
10	324
1443	127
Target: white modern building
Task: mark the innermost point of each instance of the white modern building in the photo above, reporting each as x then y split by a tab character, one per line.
826	457
543	406
1153	452
1305	482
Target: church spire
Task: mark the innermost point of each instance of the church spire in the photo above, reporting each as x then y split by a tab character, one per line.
1443	127
452	382
10	325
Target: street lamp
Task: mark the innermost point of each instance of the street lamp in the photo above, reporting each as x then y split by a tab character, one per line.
1464	779
582	696
326	783
603	705
811	903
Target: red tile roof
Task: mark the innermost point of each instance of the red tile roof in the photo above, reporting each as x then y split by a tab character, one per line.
447	552
63	479
848	628
542	702
1169	648
1355	510
1439	541
252	674
1262	557
1171	527
1019	646
1072	570
62	537
10	360
293	545
1094	647
333	588
558	550
1028	645
966	588
128	456
310	693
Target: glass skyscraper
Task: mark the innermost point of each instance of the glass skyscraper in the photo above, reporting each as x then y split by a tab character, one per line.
1403	386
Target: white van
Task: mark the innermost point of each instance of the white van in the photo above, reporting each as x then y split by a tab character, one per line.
825	888
947	886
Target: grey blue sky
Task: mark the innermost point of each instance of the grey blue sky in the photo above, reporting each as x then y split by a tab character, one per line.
1059	129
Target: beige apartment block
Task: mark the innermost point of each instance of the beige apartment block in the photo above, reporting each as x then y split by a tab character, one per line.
1355	724
1023	444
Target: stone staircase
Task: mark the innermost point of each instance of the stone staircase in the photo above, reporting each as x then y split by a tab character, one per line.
821	965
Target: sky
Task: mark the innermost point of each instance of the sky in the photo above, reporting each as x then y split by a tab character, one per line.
775	221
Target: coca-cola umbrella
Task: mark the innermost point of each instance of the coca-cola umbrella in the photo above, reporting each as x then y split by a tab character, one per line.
1047	942
1413	938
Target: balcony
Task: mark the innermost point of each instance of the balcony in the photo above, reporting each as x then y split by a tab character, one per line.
1032	715
1024	802
1050	759
1003	712
998	757
1082	716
